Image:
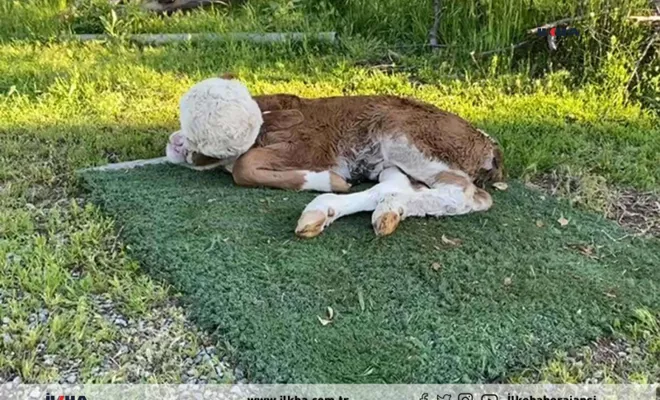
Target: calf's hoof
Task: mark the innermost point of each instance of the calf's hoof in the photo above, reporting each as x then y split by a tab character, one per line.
385	224
339	184
311	223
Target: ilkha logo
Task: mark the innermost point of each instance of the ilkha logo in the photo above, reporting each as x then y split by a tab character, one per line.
63	397
561	31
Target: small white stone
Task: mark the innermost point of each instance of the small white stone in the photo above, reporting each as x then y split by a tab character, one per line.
7	339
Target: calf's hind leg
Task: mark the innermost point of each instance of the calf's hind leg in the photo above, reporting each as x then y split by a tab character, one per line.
452	194
327	208
392	200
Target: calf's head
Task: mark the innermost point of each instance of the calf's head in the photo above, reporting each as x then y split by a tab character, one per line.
219	122
492	169
178	152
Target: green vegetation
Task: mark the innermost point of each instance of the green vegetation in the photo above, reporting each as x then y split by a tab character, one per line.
67	106
73	306
468	24
507	296
119	102
467	29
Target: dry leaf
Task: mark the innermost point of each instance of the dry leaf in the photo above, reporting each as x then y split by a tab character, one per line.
331	313
539	223
610	295
500	186
324	322
562	221
451	242
436	266
586	250
507	281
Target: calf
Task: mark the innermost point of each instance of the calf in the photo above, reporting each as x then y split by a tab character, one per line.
426	160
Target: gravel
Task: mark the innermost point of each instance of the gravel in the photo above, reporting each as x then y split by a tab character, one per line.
159	343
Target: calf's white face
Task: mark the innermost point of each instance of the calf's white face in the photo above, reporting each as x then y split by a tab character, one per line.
176	150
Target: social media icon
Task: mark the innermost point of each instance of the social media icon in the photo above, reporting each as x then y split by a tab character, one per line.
465	396
445	397
489	397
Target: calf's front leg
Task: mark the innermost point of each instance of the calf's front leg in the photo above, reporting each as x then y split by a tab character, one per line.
392	200
267	166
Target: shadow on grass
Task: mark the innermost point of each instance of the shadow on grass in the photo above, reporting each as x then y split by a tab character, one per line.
38	163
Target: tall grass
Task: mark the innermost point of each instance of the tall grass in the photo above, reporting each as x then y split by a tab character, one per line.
32	18
606	51
471	24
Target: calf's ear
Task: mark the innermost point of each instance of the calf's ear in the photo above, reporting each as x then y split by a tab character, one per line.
228	76
201	160
281	119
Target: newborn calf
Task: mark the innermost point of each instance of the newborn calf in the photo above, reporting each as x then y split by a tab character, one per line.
426	160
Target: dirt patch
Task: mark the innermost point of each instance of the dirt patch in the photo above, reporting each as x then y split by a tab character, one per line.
610	351
637	211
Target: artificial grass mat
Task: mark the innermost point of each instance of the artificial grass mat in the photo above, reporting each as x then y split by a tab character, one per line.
409	308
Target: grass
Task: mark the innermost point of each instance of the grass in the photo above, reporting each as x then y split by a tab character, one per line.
67	106
630	355
131	94
507	297
467	28
61	269
468	24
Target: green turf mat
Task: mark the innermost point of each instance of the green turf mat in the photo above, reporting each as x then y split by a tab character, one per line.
410	308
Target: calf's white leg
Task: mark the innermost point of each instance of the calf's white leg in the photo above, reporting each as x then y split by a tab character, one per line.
327	208
394	199
442	199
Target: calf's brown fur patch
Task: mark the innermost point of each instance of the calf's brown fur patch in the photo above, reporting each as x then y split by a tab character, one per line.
302	134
